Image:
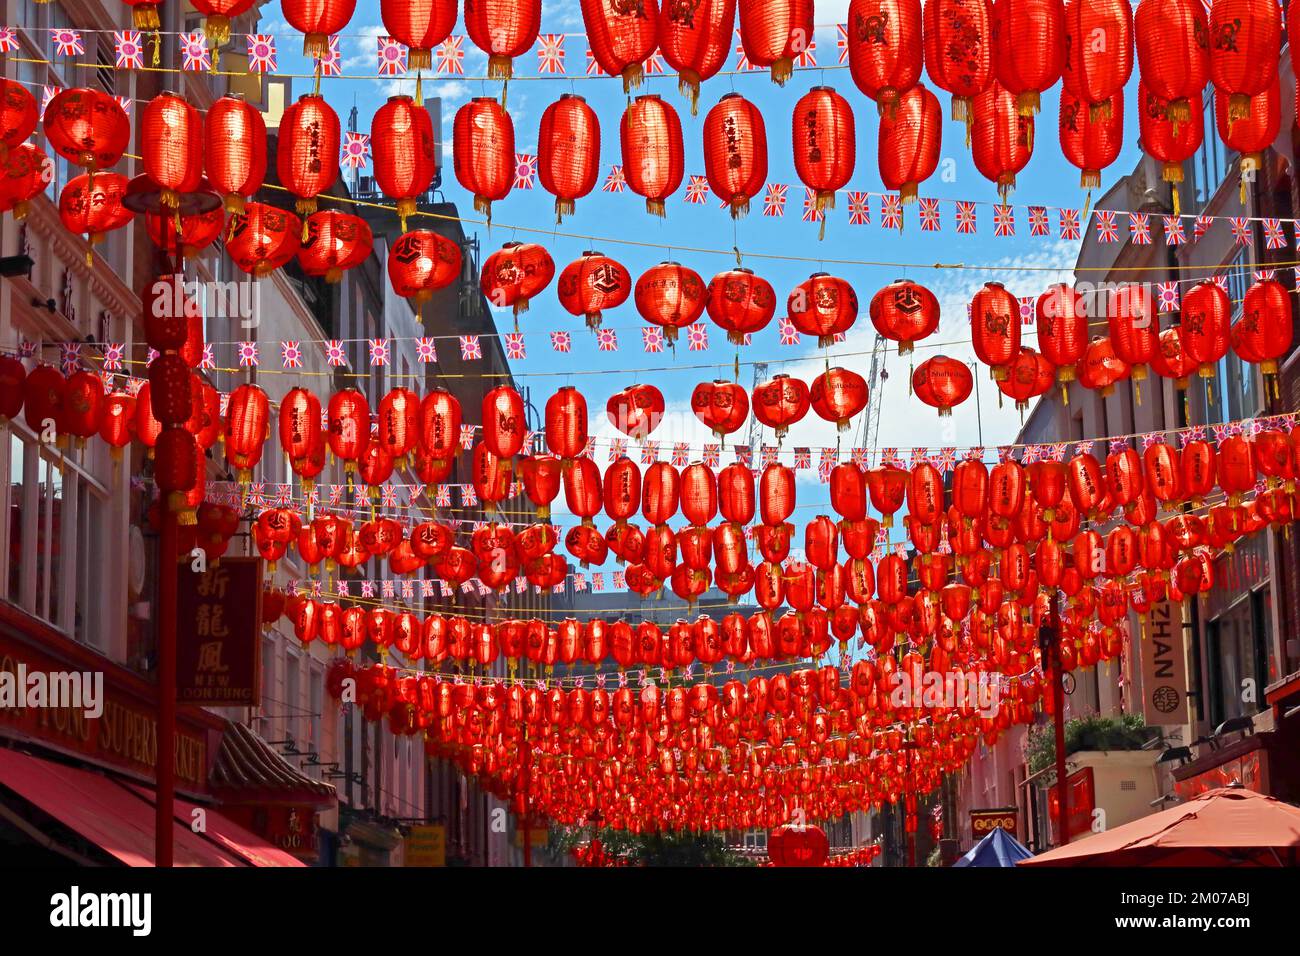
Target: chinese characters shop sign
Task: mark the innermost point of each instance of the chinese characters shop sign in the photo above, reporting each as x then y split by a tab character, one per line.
220	614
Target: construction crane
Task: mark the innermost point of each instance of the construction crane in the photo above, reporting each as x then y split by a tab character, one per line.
755	428
876	379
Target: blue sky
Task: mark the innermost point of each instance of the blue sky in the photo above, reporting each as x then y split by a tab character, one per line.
905	422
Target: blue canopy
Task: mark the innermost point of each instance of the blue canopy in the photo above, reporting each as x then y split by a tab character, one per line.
999	848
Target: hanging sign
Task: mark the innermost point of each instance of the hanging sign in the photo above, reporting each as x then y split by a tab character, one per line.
219	617
1164	666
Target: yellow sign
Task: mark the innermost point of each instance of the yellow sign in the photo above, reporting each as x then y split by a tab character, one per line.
427	845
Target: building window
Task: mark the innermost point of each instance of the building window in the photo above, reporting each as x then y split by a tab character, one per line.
1211	164
1238	642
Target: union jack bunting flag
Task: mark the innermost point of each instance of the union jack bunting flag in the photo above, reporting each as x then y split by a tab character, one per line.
681	454
1038	220
128	51
654	65
842	41
697	189
530	438
1240	229
588	451
1083	447
426	349
291	354
744	454
1263	275
975	453
859	456
649	452
1175	234
769	453
617	448
697	337
774	200
1107	231
947	459
468	496
113	353
515	348
550	53
920	456
470	348
1027	313
786	331
8	39
442	497
929	213
248	354
1004	220
69	356
889	456
387	588
859	209
1139	228
1032	454
451	55
47	94
261	53
1005	453
593	67
620	581
392	57
355	150
1221	281
1167	296
606	340
525	171
1274	237
711	454
194	52
965	217
209	360
808	55
1200	227
1068	220
367	589
597	581
652	338
379	352
742	60
891	212
615	182
331	64
810	211
561	341
67	42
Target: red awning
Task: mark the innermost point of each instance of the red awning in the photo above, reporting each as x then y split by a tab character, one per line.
103	811
238	840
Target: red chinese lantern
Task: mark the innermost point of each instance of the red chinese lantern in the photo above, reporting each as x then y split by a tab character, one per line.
1100	368
336	242
420	263
1167	140
404	151
823	305
171	144
117	424
83	405
582	489
943	383
234	145
503	29
659	493
1173	51
909	141
959	51
1062	324
1254	131
1002	140
621	489
695	40
439	428
1029	376
740	302
1028	48
1098	50
44	391
622	36
837	395
1206	312
91	205
197	232
776	33
568	152
307	152
299	425
504	422
483	151
1090	140
636	410
1263	334
419	25
1245	45
995	328
591	284
781	402
735	152
566	423
247	427
721	405
905	312
87	127
1134	326
262	238
146	426
653	158
824	147
398	423
318	20
885	50
671	296
26	173
515	274
175	468
349	426
1171	359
